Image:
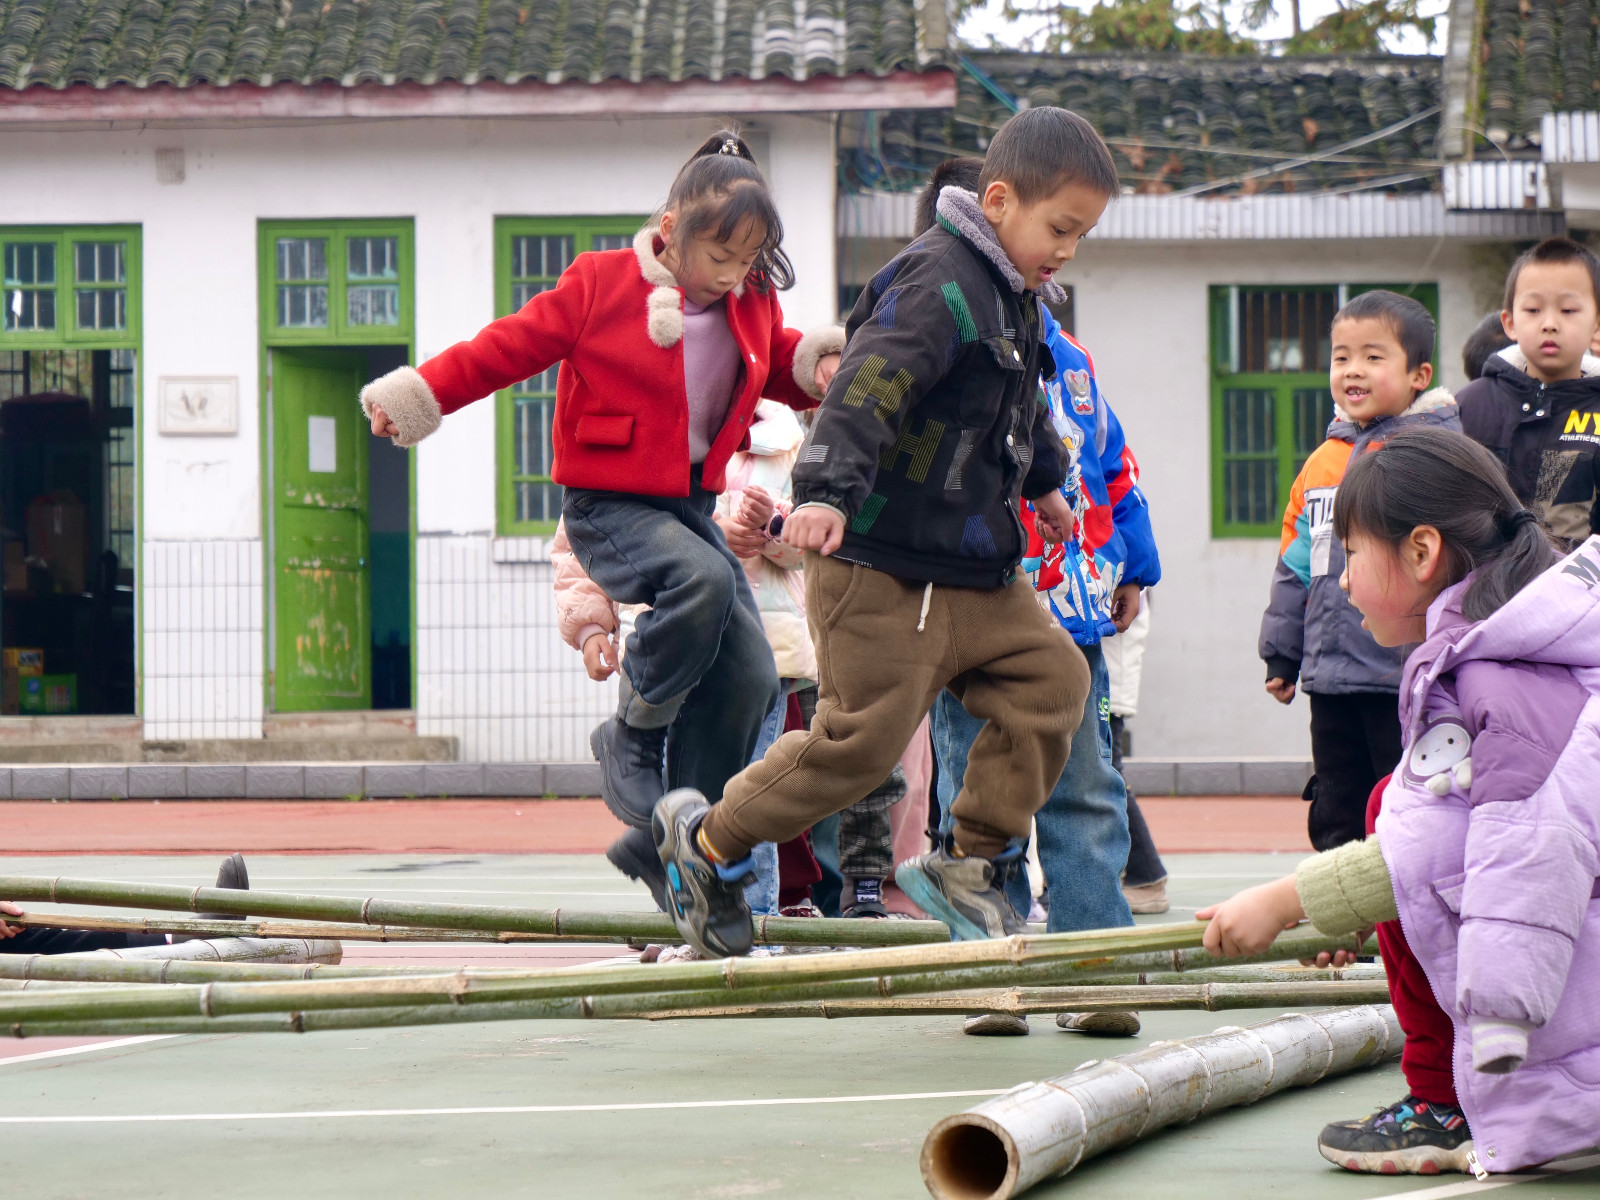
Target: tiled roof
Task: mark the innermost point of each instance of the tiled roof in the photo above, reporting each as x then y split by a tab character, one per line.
58	43
1537	56
1182	121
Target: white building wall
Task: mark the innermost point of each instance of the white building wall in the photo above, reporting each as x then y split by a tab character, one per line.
1142	310
199	318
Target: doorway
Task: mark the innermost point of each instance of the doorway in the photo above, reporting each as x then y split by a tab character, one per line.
340	537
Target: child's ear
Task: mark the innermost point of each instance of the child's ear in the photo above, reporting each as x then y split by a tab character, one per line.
1421	378
669	225
1506	325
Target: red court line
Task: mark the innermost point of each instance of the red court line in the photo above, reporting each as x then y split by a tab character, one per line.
1180	824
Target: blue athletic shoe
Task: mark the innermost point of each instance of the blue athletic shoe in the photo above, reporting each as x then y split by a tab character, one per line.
965	893
705	900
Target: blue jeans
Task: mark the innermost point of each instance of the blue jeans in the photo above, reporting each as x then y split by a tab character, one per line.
762	895
698	661
1083	826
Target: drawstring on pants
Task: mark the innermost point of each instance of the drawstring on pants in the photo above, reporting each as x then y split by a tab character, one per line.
927	599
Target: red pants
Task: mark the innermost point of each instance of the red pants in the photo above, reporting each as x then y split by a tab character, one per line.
1430	1034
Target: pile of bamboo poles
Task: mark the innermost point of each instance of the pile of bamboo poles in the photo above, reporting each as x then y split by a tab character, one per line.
906	972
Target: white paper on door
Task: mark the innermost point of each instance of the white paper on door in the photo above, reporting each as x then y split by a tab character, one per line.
323	437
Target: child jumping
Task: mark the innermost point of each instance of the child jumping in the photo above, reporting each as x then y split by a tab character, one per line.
1379	374
1481	873
908	490
667	348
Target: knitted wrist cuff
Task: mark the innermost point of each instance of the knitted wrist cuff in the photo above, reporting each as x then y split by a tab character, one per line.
1347	889
1498	1047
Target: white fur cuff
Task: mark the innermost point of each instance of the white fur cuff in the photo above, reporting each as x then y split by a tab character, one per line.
408	400
813	347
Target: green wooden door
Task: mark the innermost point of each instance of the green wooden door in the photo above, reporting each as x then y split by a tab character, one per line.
320	557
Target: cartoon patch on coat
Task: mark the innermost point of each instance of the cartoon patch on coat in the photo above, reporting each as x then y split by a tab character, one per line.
1441	757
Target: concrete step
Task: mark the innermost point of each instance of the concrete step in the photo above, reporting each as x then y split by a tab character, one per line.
1216	776
296	781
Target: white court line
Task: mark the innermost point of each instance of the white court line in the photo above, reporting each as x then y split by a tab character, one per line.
131	1041
1559	1167
496	1110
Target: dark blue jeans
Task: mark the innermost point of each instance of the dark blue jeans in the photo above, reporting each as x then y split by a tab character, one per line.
698	661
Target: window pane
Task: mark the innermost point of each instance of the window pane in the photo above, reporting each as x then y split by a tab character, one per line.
30	311
1285	330
540	257
303	258
373	258
30	263
611	241
100	262
303	307
1312	409
102	308
374	305
1250	491
121	378
1249	423
538	501
531	453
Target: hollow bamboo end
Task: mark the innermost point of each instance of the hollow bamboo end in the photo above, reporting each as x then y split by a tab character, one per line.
969	1156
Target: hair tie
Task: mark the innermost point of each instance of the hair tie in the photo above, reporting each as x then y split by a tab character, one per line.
1511	524
731	146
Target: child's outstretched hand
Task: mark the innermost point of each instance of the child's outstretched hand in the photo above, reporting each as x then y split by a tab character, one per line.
827	368
1125	605
599	657
1054	517
817	528
1248	922
382	426
755	507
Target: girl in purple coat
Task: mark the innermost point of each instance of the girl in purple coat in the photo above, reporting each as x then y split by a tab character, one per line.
1481	873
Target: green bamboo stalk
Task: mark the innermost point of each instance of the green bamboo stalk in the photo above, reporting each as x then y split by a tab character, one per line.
283	929
942	966
486	918
1211	997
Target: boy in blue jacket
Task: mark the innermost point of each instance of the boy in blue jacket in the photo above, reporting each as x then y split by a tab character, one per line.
1092	586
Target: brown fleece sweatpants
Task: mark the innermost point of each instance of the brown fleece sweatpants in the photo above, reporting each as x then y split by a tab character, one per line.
996	649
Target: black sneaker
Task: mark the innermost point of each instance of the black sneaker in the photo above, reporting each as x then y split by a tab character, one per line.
631	762
634	854
1412	1137
961	892
705	900
864	898
233	876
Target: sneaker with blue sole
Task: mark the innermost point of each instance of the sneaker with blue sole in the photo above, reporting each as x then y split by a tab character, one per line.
705	899
965	893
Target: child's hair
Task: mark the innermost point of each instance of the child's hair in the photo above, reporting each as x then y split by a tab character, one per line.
1553	250
1411	323
1488	338
952	172
1041	150
1442	478
717	191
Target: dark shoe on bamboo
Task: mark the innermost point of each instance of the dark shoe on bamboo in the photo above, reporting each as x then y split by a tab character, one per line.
961	892
864	898
233	876
705	899
996	1025
1100	1024
631	764
634	854
1411	1137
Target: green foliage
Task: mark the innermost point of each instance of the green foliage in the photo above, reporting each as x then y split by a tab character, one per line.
1358	28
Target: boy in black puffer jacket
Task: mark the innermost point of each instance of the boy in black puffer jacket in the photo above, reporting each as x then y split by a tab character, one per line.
1537	405
909	485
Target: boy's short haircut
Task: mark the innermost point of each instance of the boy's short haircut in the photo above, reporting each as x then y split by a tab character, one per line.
952	172
1488	338
1041	150
1411	323
1553	250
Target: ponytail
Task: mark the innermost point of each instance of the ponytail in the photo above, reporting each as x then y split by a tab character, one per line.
721	188
1442	478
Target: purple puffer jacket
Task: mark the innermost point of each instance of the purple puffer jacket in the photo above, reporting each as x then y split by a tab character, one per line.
1491	832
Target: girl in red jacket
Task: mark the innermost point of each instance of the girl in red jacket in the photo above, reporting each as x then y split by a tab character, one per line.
666	349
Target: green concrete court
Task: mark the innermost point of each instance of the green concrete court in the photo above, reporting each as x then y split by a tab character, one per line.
687	1110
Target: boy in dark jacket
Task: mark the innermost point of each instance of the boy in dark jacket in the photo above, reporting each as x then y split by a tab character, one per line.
909	489
1537	405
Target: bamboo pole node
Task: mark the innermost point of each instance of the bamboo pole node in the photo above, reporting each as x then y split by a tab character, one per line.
365	905
205	999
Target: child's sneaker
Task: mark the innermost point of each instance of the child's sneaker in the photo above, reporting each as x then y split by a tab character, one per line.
865	899
631	762
1412	1137
634	854
1148	897
705	899
961	892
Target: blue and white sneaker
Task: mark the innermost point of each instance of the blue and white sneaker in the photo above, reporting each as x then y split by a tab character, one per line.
705	899
967	894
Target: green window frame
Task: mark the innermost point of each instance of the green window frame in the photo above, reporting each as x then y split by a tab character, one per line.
344	282
1270	404
70	285
530	254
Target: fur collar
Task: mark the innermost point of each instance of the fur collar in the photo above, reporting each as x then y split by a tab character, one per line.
664	309
962	214
1513	354
1429	401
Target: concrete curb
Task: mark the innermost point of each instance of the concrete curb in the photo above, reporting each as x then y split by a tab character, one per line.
297	781
1216	776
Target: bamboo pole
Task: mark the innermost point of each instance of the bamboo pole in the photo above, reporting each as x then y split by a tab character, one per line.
277	929
232	950
485	918
1210	997
1038	1131
947	967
